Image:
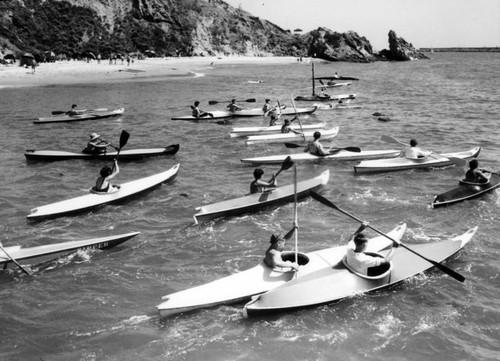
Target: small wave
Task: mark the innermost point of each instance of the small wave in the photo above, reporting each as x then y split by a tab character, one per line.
196	75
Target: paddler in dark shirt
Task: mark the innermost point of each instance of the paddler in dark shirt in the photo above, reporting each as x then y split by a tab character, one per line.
474	174
315	147
258	185
197	113
106	175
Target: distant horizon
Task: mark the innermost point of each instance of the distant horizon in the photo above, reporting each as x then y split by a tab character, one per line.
423	23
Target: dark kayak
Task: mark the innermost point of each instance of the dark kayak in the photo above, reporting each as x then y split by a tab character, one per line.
466	191
129	154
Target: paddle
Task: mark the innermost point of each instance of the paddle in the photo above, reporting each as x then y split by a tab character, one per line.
332	150
458	161
443	268
13	260
298	119
287	163
212	102
123	141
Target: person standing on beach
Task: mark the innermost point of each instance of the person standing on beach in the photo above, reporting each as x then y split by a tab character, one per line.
198	113
33	66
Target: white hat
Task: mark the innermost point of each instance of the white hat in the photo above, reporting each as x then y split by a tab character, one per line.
94	136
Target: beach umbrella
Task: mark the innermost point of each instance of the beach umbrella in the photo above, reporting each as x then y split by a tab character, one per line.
150	53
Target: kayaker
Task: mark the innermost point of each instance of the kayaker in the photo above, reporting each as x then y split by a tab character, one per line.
197	113
73	110
232	107
474	174
273	254
414	152
258	185
96	144
315	147
287	126
364	263
267	107
102	184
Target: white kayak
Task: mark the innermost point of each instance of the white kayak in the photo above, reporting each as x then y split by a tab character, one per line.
92	200
82	115
334	281
256	201
291	137
274	129
44	253
284	111
337	106
242	286
341	155
402	163
217	114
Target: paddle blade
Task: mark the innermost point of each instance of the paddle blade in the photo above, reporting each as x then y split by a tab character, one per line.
353	149
293	145
388	139
323	200
56	112
124	138
251	100
287	163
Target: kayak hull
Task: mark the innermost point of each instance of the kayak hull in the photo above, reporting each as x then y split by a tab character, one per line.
40	254
93	200
401	163
125	155
81	117
331	284
255	112
240	287
256	201
217	114
342	155
465	191
275	129
291	137
315	98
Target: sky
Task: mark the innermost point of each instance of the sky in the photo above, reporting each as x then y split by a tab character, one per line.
424	23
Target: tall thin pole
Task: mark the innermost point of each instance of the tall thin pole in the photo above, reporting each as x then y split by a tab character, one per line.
296	218
313	81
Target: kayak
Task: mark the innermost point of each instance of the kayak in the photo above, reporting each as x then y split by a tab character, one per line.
93	200
466	191
275	129
335	281
337	106
129	154
257	201
341	155
241	286
217	114
284	111
314	98
291	136
79	117
40	254
334	84
402	163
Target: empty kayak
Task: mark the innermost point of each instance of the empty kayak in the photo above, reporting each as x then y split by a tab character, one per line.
79	117
275	129
125	155
256	201
402	163
341	155
284	111
239	287
335	282
466	191
291	137
217	114
92	200
39	254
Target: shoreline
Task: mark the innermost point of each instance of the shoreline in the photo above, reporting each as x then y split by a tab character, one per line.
82	72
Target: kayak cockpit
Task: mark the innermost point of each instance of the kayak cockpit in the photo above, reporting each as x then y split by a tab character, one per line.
382	272
302	260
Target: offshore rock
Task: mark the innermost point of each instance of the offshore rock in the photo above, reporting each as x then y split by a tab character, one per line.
333	46
400	50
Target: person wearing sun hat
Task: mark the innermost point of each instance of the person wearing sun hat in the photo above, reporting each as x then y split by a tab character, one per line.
96	144
273	253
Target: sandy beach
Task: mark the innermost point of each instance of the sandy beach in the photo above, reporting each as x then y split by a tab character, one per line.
72	71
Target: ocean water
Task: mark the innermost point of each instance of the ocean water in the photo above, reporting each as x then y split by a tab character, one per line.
100	305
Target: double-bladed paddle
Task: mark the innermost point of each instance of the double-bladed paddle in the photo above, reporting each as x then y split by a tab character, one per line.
13	260
443	268
458	161
331	150
287	163
212	102
123	141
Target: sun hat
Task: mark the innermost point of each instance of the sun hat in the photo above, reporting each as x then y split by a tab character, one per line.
94	136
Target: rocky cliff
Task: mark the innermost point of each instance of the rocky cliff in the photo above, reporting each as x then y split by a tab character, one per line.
77	28
400	50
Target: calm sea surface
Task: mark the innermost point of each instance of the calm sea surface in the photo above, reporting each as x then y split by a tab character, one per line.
100	305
